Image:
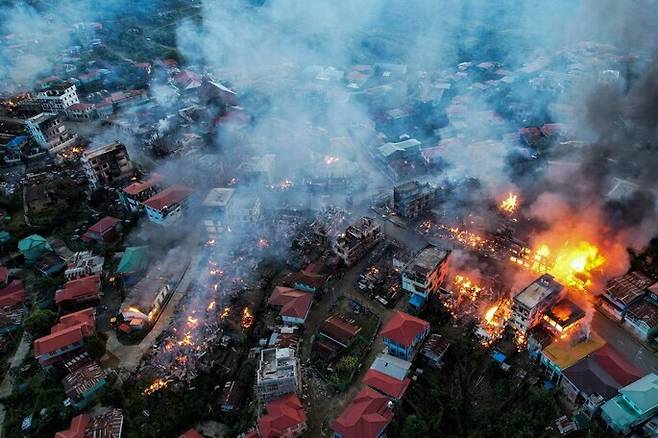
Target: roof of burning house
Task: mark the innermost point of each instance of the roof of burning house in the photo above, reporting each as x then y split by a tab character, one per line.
565	312
644	311
566	352
403	328
340	328
366	416
541	335
538	290
218	197
427	260
79	289
170	196
386	384
628	287
13	294
138	186
70	329
282	414
82	380
602	372
293	303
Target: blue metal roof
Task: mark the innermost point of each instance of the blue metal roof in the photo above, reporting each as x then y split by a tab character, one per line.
498	356
416	300
16	141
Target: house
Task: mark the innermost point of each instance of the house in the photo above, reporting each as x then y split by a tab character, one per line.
285	418
215	210
84	263
601	373
434	348
133	264
58	97
81	111
563	353
133	195
530	303
642	318
105	231
310	279
391	366
340	329
562	317
12	308
293	305
32	247
402	150
85	377
367	416
169	206
65	337
621	292
402	333
187	80
49	264
107	425
357	239
107	165
386	384
634	404
13	294
81	290
278	374
231	396
425	275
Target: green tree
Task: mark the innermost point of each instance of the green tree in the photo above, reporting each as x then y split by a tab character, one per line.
94	345
347	363
412	427
40	321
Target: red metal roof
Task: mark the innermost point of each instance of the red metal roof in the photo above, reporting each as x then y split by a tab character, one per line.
77	428
80	289
365	417
138	186
192	433
293	303
386	384
70	329
104	225
169	196
339	328
403	328
620	369
282	414
4	273
13	294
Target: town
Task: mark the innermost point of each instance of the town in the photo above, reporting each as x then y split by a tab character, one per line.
268	219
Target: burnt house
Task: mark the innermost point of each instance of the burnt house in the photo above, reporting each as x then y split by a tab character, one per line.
623	291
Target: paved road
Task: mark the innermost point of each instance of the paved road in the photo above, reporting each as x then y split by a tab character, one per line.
624	342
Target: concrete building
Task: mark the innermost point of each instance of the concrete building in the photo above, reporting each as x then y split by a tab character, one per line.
403	333
84	263
402	150
133	196
49	132
529	304
57	98
81	111
169	206
621	292
214	210
357	239
277	374
108	164
425	274
413	199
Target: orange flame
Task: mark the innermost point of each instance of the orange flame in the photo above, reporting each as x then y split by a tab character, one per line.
509	204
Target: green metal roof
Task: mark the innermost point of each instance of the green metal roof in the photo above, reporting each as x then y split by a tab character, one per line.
33	246
619	413
133	260
643	393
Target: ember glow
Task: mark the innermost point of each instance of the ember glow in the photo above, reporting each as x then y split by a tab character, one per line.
510	204
157	385
247	318
211	305
263	243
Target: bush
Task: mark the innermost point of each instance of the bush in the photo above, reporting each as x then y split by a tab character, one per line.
39	322
94	345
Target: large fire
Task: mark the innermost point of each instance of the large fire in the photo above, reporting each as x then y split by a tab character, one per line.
509	204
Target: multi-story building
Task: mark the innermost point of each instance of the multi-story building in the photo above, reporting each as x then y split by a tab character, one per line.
425	274
285	418
214	210
169	206
84	263
107	164
412	199
81	111
621	292
403	333
357	239
133	196
50	133
57	98
277	374
529	305
65	338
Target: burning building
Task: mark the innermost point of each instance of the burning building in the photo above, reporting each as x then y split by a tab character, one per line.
425	274
357	239
108	164
278	374
50	133
412	199
563	317
621	292
57	98
529	304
